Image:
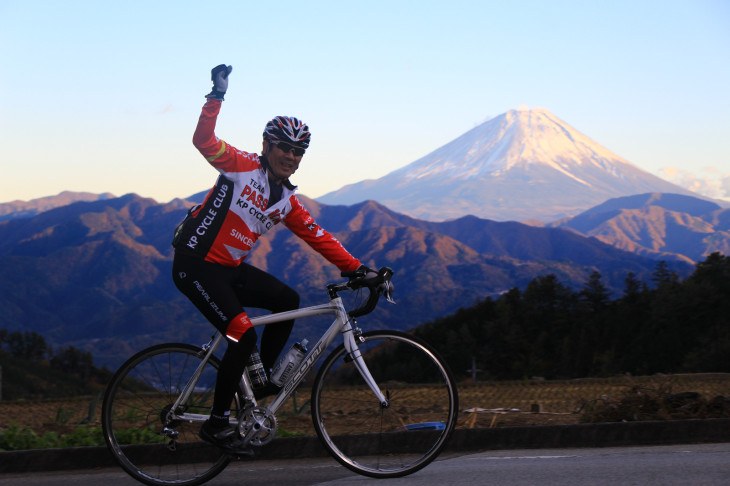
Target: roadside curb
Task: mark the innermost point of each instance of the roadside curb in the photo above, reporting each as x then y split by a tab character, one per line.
530	437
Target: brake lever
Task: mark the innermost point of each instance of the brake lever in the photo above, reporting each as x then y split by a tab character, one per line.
388	292
387	286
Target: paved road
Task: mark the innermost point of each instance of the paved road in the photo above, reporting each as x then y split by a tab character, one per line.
707	464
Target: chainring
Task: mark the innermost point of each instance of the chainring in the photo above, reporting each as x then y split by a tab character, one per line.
260	423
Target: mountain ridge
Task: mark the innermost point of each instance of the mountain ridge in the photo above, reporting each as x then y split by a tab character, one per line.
669	226
24	209
96	275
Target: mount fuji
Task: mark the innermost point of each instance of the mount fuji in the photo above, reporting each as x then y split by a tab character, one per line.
521	165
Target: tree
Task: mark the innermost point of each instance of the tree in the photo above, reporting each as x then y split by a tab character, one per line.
29	345
662	275
707	296
632	287
630	318
74	361
595	293
548	324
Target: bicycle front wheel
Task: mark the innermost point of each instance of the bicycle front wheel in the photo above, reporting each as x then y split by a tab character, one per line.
139	431
392	440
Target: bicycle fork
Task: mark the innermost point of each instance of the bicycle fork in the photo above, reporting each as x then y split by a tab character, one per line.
353	351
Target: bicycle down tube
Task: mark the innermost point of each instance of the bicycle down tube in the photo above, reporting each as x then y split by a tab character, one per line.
340	325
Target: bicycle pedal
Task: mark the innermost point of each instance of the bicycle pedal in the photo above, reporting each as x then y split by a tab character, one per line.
242	455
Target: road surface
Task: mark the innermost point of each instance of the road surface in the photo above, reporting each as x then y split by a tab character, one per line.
705	464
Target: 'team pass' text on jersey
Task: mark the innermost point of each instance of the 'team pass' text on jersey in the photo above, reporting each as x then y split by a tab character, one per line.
236	211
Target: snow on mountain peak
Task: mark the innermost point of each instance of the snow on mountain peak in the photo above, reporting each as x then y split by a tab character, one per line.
519	138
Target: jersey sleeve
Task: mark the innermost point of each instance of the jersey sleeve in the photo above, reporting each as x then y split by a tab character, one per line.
219	154
302	224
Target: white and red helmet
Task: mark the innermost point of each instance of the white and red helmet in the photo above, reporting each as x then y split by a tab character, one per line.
287	129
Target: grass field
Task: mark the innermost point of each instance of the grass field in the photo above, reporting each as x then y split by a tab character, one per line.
489	404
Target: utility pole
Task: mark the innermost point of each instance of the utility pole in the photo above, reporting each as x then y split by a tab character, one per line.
474	369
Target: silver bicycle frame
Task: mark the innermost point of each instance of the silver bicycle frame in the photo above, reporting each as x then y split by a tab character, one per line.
341	324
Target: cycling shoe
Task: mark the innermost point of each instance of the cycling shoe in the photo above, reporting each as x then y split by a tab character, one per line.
225	438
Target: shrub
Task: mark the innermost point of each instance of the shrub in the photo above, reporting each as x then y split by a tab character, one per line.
655	403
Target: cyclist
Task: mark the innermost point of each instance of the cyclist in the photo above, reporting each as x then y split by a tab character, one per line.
251	195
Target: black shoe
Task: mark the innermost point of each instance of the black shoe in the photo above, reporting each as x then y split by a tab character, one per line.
266	391
225	438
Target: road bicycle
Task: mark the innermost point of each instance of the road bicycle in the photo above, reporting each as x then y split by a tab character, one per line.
383	403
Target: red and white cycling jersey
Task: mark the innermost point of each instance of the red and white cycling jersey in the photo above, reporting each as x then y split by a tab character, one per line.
236	211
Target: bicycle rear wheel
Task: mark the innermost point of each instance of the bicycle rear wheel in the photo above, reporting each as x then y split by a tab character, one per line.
403	436
143	440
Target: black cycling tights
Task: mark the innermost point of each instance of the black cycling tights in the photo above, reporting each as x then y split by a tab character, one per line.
220	293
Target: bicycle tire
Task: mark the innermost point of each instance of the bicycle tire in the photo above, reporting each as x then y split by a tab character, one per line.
133	414
392	441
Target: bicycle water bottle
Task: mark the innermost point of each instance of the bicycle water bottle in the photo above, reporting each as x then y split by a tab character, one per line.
284	368
255	370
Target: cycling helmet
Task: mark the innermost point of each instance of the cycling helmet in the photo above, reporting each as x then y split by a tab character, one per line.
287	129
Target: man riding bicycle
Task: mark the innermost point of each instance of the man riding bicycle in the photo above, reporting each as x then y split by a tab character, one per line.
251	195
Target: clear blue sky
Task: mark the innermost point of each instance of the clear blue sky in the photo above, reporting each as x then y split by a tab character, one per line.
104	96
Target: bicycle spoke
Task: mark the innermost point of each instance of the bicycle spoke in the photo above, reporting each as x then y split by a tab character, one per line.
146	444
387	441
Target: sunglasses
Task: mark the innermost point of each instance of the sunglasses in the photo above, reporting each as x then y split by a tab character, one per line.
286	148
